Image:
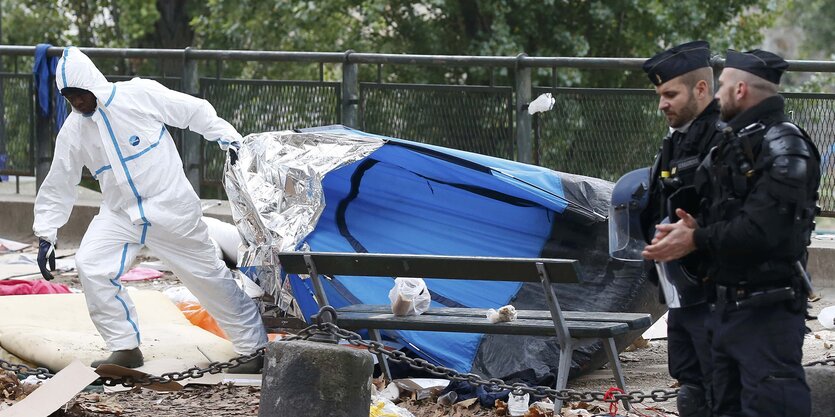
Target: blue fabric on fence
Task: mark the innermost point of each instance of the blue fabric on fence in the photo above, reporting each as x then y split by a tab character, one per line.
3	158
43	70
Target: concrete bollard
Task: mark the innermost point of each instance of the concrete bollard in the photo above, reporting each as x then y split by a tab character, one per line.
821	380
311	379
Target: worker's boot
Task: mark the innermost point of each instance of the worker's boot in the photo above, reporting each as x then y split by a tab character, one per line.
252	367
128	358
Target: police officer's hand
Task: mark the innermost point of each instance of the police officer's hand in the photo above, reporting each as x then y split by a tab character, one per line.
46	254
673	241
688	220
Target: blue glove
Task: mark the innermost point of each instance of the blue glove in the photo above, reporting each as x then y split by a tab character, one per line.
46	252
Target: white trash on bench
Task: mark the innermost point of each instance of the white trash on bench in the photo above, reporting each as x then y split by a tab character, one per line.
504	314
409	297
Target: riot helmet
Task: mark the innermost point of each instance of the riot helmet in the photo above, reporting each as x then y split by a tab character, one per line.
629	199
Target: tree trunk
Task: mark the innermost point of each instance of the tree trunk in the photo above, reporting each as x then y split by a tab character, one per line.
172	32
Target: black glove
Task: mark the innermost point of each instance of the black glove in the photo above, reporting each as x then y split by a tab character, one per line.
46	252
233	155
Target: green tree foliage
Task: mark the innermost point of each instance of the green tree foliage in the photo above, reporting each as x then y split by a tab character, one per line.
817	19
98	23
488	27
101	23
457	27
583	28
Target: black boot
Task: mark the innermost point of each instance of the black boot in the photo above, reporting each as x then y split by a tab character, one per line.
128	358
252	367
692	401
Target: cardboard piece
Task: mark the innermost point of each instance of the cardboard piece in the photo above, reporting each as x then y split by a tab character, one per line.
421	387
25	265
116	371
158	265
19	271
241	380
11	246
161	366
54	392
658	330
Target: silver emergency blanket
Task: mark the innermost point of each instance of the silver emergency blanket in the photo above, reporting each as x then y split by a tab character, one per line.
275	192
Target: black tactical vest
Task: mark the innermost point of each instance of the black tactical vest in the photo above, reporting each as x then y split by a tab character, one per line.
771	153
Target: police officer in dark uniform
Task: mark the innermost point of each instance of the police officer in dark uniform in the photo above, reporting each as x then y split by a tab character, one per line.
683	80
759	199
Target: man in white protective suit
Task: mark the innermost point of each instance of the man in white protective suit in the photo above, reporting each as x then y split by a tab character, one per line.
117	130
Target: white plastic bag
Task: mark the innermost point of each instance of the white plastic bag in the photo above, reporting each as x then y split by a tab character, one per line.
517	405
381	407
827	317
506	313
409	297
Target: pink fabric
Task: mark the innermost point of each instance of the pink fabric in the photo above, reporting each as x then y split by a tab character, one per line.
141	274
25	287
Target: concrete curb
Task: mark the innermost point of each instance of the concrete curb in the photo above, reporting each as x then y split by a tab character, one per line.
821	380
821	265
18	215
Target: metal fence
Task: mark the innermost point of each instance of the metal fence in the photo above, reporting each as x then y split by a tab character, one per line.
261	106
599	132
473	118
18	124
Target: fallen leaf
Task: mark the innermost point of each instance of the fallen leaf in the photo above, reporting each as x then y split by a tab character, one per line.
465	404
501	408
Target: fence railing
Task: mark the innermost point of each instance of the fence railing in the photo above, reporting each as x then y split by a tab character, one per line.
599	132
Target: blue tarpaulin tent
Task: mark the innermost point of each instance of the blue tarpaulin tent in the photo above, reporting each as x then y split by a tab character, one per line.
408	197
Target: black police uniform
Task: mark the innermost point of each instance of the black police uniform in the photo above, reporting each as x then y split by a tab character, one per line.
687	342
759	190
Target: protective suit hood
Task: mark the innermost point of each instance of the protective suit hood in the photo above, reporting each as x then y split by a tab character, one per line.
75	69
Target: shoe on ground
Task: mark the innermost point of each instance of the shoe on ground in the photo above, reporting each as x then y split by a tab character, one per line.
252	367
127	358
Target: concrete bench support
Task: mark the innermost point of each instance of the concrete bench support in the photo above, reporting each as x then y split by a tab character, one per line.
304	378
821	380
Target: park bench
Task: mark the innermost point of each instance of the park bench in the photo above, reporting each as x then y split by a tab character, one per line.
565	325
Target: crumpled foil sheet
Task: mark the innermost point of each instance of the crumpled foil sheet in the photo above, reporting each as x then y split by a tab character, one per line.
275	192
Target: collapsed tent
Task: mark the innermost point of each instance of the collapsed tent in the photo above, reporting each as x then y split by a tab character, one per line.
335	189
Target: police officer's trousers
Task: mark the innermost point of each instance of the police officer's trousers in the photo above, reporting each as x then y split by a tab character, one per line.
688	352
757	354
688	345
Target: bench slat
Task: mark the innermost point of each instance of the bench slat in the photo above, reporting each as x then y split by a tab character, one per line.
578	329
432	266
635	321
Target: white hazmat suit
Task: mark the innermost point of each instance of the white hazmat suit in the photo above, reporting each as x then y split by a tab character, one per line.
147	201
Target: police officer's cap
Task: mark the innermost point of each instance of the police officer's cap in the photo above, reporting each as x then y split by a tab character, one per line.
763	64
676	61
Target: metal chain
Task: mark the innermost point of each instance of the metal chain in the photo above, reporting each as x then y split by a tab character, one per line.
324	327
20	369
130	381
197	372
492	384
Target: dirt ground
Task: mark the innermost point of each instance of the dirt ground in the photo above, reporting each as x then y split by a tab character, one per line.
645	369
